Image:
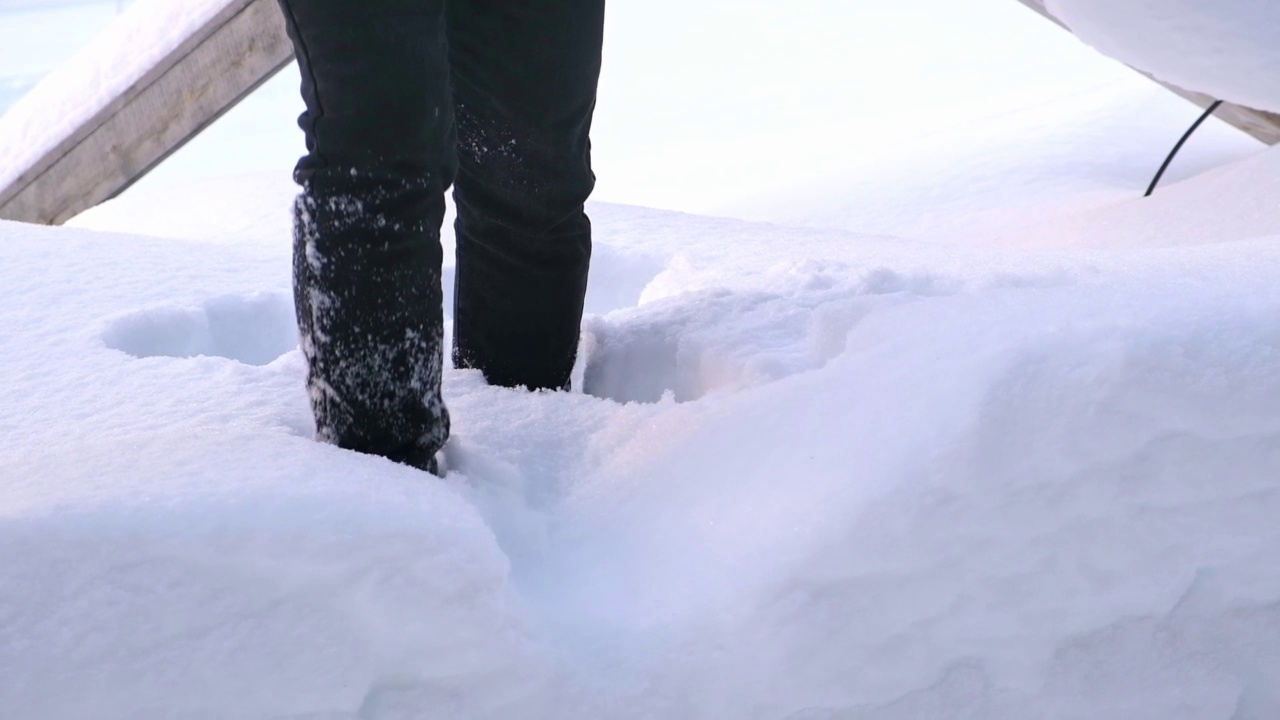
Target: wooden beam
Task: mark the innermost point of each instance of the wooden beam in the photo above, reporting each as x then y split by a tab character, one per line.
215	67
1262	125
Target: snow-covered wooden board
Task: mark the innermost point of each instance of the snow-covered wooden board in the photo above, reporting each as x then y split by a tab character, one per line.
183	63
1262	125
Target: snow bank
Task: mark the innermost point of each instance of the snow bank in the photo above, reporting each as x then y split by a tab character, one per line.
1225	48
1019	178
812	475
994	504
1236	202
241	574
172	544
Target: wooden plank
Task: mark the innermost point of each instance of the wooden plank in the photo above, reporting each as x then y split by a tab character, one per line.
220	63
1262	125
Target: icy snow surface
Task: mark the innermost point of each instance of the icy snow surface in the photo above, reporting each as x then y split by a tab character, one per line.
990	438
1224	48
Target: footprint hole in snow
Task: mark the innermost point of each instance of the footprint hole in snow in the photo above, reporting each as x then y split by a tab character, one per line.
651	369
686	349
637	368
617	280
253	329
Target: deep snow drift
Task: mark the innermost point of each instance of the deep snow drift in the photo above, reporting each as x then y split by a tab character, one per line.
816	475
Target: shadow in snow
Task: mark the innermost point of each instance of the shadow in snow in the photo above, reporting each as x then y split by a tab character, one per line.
254	330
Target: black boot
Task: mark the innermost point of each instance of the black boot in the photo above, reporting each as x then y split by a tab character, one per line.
367	293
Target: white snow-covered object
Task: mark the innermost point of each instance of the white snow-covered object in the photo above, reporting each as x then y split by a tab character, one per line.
1223	48
150	82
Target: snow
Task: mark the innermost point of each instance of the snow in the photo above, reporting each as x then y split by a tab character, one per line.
858	476
962	429
1021	178
1224	49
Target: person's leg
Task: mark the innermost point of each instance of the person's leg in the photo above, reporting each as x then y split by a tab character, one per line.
380	154
524	81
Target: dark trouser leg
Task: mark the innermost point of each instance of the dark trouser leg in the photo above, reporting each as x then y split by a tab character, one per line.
380	145
524	80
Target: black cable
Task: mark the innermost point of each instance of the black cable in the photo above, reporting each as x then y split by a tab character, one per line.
1156	180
